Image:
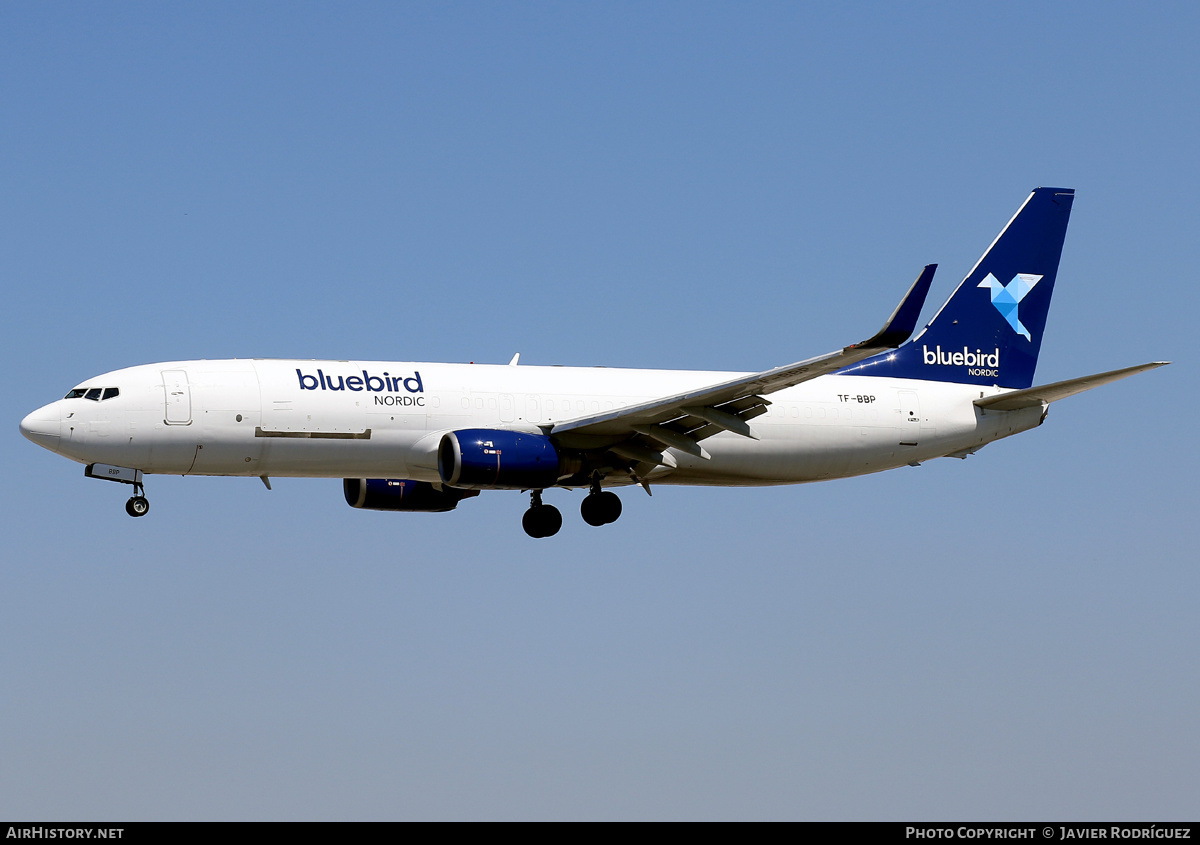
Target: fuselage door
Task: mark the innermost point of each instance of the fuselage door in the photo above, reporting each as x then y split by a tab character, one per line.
508	408
533	409
178	395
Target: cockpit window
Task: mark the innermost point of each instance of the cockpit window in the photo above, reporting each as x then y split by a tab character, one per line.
94	393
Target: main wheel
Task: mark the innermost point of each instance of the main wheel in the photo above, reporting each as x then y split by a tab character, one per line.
600	508
592	510
137	506
543	521
551	520
532	523
611	503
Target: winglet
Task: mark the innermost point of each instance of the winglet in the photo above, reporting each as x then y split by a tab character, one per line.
900	326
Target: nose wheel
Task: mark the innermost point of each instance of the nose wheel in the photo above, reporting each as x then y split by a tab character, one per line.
137	506
541	520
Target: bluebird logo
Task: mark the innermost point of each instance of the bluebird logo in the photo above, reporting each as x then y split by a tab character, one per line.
1006	298
978	363
373	384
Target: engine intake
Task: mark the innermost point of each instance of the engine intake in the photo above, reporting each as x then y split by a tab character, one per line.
494	459
401	494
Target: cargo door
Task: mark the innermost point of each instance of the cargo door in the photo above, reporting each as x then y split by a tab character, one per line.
227	412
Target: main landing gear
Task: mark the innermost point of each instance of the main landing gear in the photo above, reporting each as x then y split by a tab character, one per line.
600	507
541	520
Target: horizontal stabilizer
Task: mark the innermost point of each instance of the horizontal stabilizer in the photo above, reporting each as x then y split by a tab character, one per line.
1033	396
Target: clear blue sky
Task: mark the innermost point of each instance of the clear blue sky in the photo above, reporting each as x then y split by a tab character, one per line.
710	186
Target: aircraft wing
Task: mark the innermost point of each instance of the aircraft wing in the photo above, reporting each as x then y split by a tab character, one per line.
1033	396
682	420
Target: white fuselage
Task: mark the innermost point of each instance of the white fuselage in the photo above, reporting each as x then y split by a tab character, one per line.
289	418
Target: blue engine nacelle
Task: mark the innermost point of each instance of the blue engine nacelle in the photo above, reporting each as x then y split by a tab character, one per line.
401	494
493	459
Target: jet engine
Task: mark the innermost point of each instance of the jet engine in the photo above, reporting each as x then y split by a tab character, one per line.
401	494
494	459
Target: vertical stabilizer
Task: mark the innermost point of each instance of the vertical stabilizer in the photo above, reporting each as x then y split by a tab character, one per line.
990	330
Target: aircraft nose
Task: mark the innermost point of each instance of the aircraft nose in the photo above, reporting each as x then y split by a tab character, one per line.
43	426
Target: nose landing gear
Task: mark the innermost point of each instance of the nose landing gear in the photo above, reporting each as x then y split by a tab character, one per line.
541	520
138	504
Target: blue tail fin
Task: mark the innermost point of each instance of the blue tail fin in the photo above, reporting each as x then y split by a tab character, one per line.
990	330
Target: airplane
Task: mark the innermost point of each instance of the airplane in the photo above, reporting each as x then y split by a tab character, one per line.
422	437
